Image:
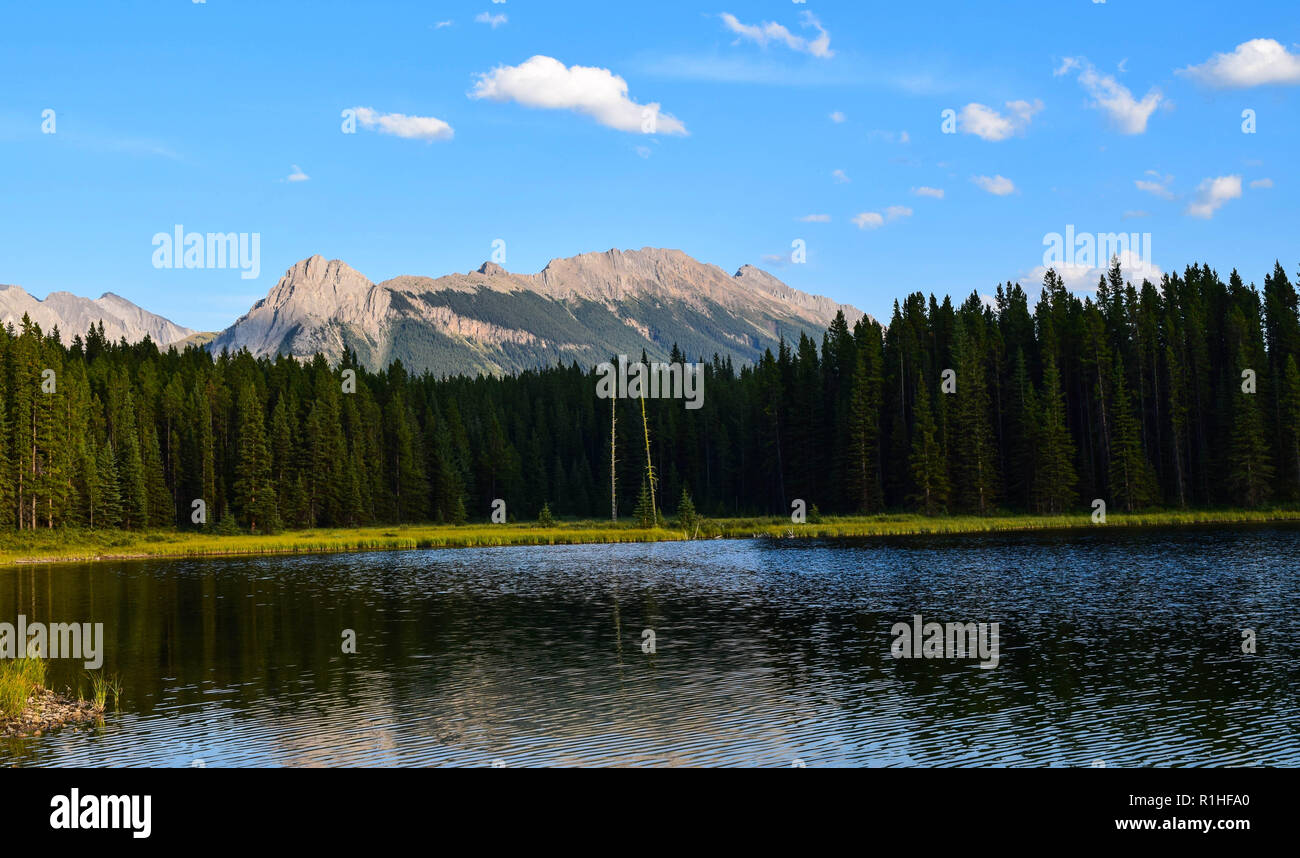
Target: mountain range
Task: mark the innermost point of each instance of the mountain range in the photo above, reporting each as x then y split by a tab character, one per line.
584	308
74	315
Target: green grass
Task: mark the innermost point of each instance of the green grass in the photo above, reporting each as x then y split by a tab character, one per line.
90	545
832	527
18	679
102	685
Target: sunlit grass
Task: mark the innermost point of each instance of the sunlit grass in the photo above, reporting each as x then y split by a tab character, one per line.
18	679
830	527
81	545
102	685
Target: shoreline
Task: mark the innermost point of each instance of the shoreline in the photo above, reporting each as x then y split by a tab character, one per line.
44	547
47	711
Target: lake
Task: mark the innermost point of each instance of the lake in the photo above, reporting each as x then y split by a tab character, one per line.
1121	648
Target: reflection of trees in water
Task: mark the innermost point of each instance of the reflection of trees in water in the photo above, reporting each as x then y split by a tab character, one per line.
760	650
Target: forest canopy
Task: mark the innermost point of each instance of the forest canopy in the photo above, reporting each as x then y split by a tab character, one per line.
1181	394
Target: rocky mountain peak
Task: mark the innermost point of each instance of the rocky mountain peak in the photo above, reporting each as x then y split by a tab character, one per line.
581	307
316	279
74	316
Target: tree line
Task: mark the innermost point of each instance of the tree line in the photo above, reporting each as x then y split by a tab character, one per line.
1182	394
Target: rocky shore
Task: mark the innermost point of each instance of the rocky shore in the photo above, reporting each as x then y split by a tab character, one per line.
48	710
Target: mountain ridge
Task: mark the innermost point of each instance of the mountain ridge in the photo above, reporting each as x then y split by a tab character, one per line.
583	308
73	315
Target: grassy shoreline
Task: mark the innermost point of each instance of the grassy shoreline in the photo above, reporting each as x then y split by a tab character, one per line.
29	708
67	546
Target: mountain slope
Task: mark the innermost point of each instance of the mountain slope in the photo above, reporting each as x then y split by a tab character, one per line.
583	308
74	315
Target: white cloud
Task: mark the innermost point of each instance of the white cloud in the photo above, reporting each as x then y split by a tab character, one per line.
1262	183
1255	63
1129	114
997	185
816	218
545	82
1159	186
1132	213
400	125
924	191
837	117
875	220
441	24
491	20
840	177
986	123
297	175
1084	278
1212	194
644	151
769	31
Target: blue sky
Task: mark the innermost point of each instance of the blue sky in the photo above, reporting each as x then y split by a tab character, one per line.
1117	116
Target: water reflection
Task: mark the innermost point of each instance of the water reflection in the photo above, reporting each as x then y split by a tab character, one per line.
1115	645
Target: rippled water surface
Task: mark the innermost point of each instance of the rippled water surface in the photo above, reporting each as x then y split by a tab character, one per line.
1116	646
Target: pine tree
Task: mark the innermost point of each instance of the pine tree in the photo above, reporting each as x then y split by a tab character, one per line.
687	518
1250	467
132	436
645	511
1023	446
107	489
130	465
162	506
253	497
1054	470
8	456
862	471
1290	411
928	466
974	447
283	454
405	462
1131	477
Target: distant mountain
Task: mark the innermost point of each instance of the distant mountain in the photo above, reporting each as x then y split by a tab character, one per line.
74	315
583	308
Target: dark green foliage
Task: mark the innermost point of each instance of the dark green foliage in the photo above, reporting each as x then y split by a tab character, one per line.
928	463
1132	479
1250	465
1134	398
1054	465
688	520
644	513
